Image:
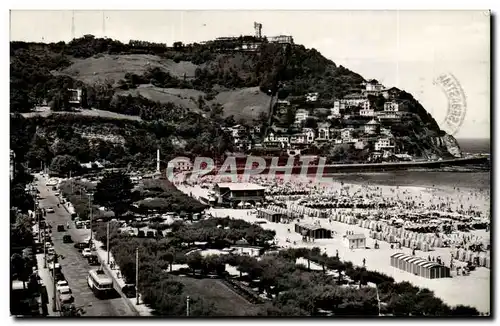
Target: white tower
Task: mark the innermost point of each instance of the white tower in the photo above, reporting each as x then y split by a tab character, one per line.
258	29
158	160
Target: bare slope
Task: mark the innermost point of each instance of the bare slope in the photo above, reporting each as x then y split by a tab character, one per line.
244	103
114	67
181	97
90	113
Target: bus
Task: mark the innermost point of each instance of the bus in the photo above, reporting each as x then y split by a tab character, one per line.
100	283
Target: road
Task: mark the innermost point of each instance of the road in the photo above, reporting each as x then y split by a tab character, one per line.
74	267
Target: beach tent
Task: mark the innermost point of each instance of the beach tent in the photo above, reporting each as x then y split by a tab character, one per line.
419	266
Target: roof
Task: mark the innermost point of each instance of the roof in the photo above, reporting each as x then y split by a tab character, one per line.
354	96
310	226
356	236
373	122
240	186
270	212
415	260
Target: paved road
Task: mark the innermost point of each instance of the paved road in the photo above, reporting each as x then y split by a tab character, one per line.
74	267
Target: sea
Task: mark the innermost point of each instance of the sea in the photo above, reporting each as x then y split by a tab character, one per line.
427	178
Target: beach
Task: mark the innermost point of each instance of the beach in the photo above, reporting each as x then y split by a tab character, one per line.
472	289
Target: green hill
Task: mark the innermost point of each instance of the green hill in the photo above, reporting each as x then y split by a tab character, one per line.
215	80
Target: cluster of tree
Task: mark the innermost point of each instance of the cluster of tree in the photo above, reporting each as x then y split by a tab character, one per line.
189	135
293	290
221	232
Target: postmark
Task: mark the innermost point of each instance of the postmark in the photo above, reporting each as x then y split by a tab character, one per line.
457	103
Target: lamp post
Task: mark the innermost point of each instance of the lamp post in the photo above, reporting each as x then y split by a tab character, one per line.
107	239
44	250
137	275
90	214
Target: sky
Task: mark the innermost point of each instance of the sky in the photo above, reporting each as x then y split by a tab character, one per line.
405	49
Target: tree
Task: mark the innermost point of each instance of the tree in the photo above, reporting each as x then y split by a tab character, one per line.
64	164
114	191
311	123
195	261
462	310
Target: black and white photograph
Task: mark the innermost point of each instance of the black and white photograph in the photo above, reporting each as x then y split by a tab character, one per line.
250	163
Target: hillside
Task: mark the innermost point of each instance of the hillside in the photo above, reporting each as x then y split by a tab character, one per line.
103	67
214	80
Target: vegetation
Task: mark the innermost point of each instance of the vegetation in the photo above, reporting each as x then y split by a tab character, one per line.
114	192
38	140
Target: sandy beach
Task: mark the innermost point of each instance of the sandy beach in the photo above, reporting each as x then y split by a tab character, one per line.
472	290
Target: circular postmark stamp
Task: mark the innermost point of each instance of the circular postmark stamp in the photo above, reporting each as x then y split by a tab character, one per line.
457	104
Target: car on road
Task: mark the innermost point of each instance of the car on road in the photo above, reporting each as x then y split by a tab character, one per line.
57	193
65	295
81	245
50	210
86	252
79	225
67	239
93	259
60	228
60	284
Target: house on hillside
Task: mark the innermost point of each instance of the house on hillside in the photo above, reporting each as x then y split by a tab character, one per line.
323	131
391	106
346	134
301	115
75	96
310	134
180	164
312	97
356	99
384	144
298	139
238	131
391	93
372	127
373	87
367	112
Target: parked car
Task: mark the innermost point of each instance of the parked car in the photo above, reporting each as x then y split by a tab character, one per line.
60	284
50	210
79	225
93	259
67	239
86	252
65	295
50	251
81	245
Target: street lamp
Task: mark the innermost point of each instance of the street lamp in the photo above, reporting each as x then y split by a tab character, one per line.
90	214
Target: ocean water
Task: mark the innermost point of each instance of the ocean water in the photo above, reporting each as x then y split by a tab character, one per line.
474	145
471	180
